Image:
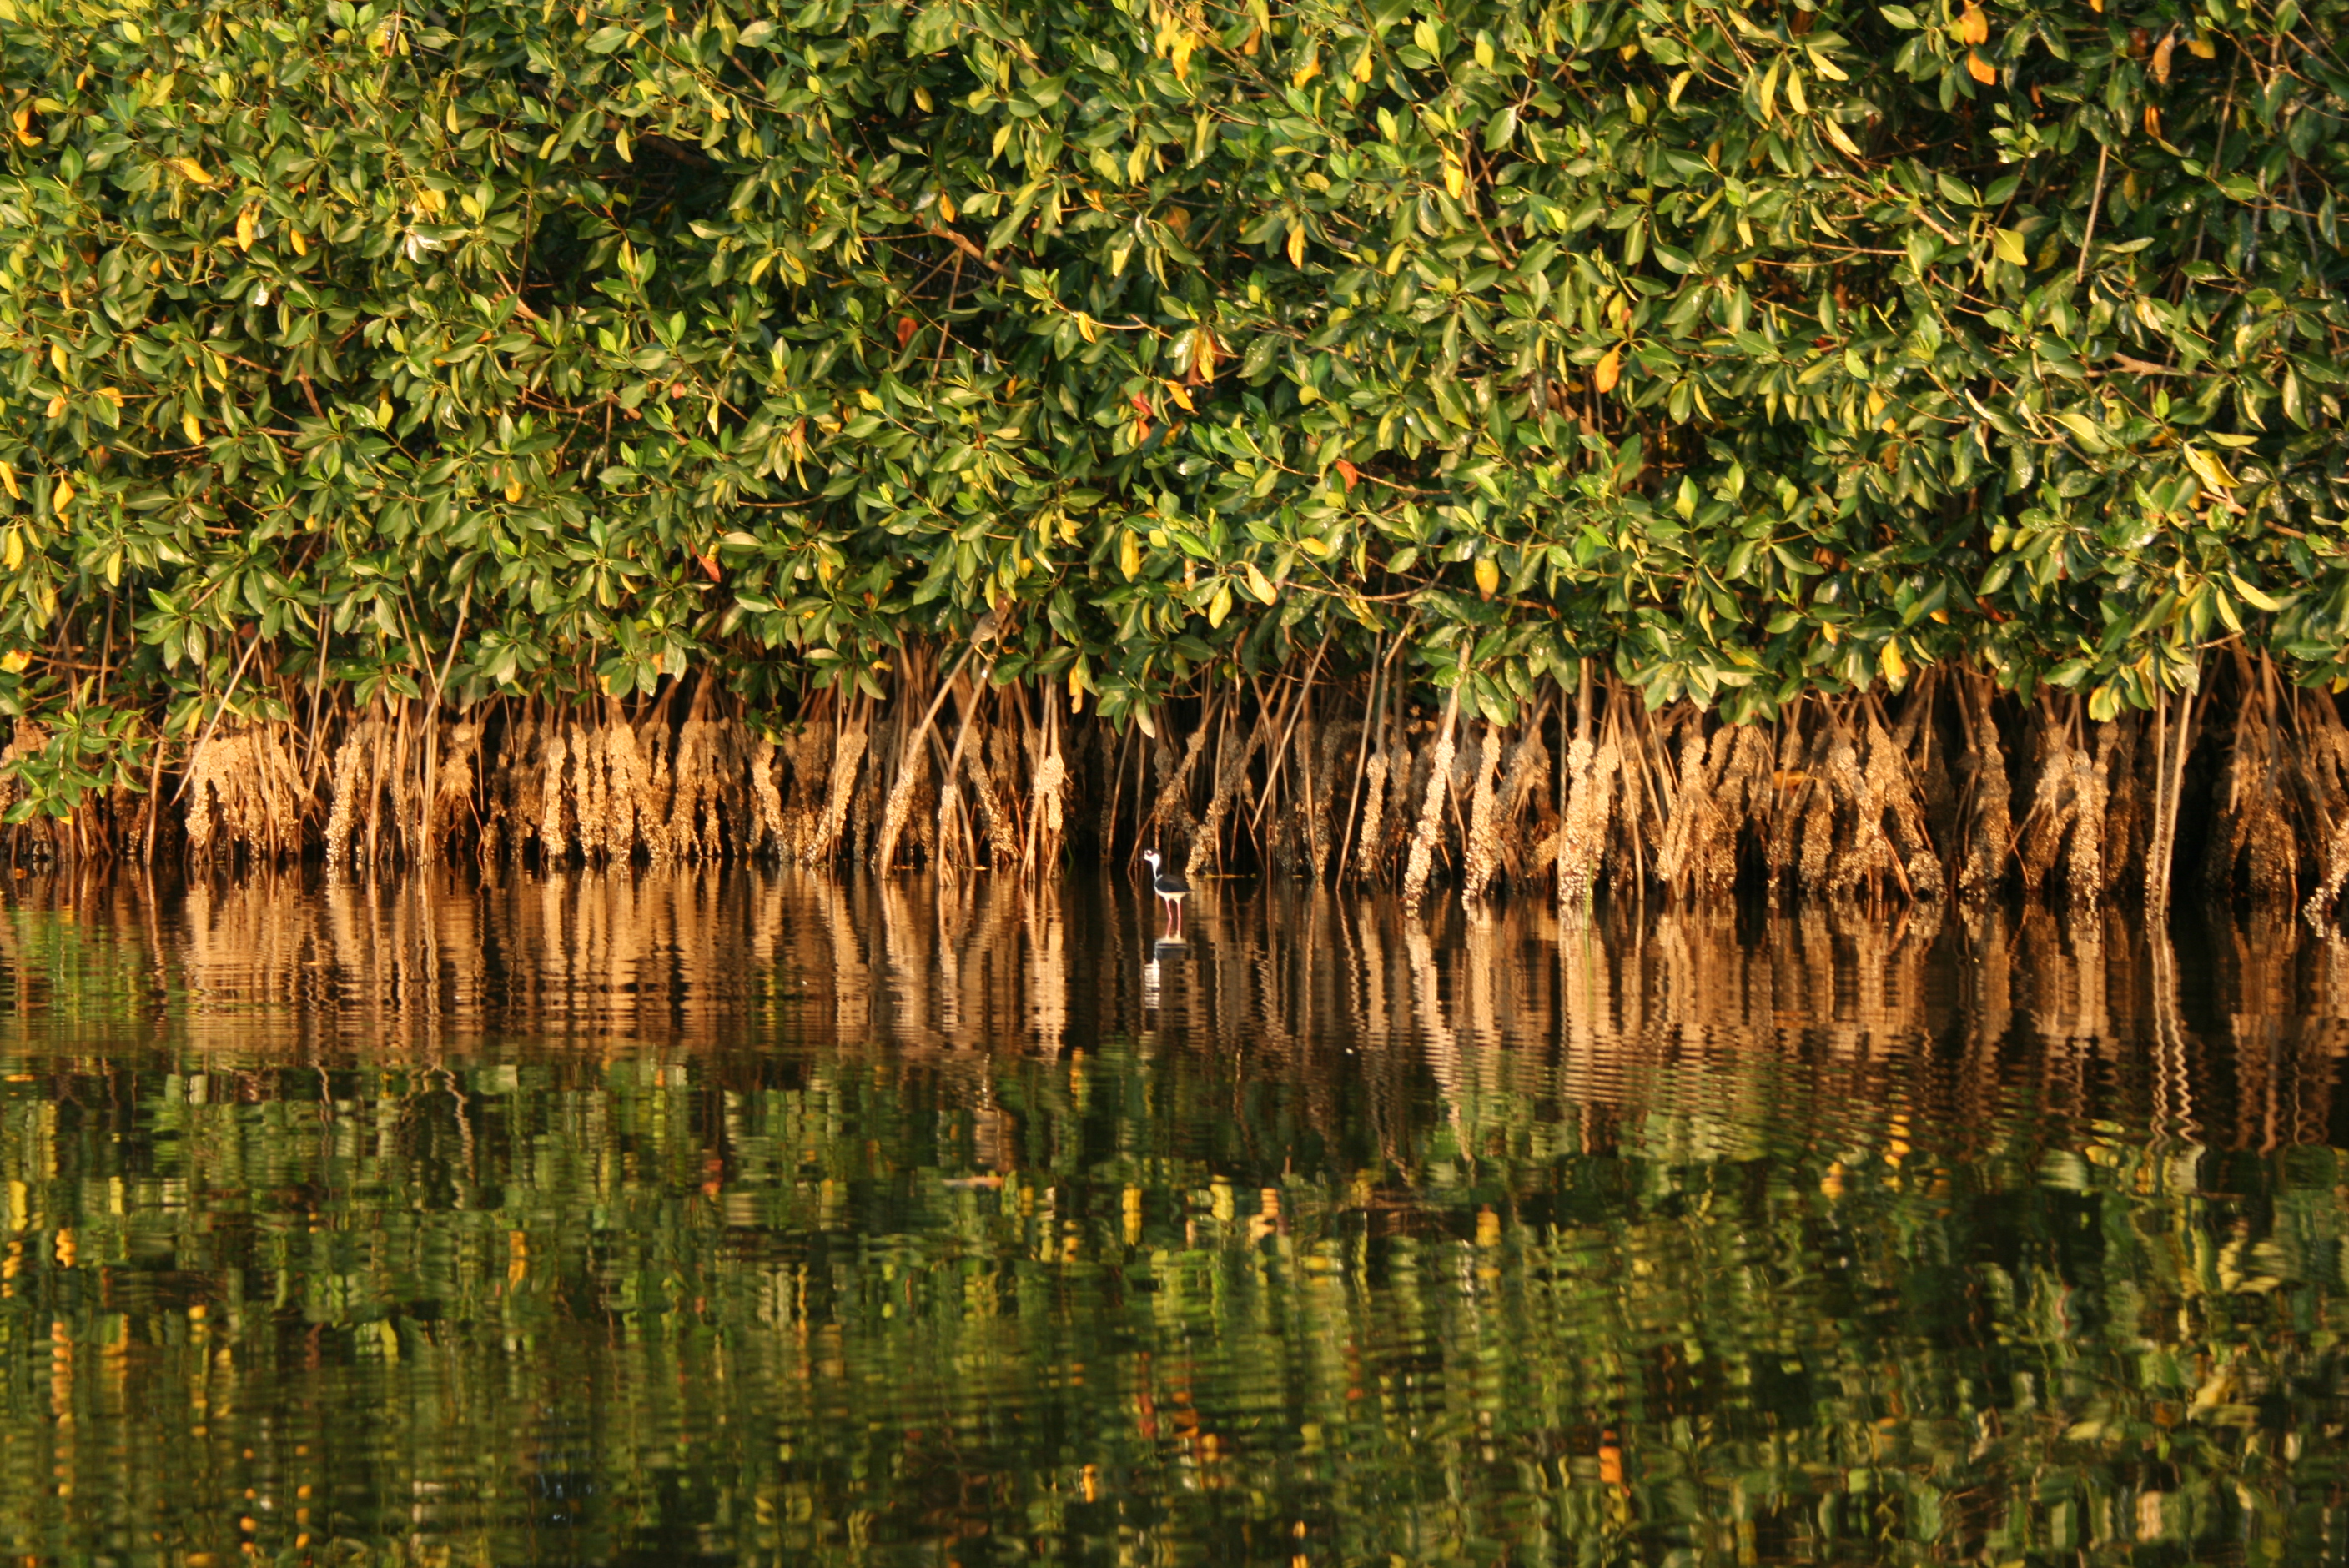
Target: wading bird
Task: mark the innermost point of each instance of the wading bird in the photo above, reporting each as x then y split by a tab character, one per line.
1169	886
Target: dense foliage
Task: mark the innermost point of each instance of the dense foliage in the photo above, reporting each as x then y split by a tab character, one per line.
553	349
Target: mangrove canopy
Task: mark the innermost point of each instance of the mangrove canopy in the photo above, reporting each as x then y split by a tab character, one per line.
1858	437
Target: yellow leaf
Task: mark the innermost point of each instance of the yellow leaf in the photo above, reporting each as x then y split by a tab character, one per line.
63	495
188	168
513	490
2201	48
1456	177
1895	668
2161	53
1296	247
1844	143
1175	390
248	223
1795	96
58	406
1981	70
1609	371
12	549
58	356
2153	122
947	208
1363	64
195	427
1828	68
1259	584
8	480
2208	469
1128	553
1220	605
2256	598
1974	25
15	660
1488	577
1305	72
1203	355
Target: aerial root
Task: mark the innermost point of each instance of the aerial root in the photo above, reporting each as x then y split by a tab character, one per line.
1948	789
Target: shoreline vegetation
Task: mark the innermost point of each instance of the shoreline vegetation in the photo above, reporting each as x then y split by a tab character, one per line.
1846	451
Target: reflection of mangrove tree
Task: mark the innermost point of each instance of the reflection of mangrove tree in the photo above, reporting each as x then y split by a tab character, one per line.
1759	1251
2230	1037
615	1301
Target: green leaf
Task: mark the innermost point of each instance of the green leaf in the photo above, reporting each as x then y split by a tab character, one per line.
2091	434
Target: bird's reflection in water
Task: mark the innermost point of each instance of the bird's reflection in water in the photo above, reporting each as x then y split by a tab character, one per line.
1162	954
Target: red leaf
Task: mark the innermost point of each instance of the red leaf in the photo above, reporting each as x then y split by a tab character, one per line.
1347	472
707	563
906	327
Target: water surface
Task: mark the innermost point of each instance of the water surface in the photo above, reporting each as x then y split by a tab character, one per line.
705	1218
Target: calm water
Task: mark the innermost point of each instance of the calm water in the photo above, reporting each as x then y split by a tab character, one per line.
750	1219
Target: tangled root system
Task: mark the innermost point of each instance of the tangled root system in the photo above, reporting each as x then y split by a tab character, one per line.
1951	790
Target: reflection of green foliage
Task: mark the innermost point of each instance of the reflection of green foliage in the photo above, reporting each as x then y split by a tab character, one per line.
63	978
551	1306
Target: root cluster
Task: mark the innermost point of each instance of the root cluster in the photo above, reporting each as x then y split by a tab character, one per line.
1951	790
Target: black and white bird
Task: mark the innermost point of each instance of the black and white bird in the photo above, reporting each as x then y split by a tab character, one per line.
1169	885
